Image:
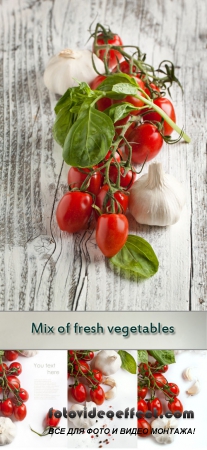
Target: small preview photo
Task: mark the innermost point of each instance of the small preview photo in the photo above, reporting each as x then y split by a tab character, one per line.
171	399
102	387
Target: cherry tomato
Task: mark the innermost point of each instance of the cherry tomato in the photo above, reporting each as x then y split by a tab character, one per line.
105	102
146	142
52	421
81	367
175	405
155	404
11	355
153	87
85	355
71	355
23	394
172	389
96	376
76	177
111	233
168	108
108	155
7	407
113	55
15	368
158	367
97	395
144	369
120	197
142	392
126	181
157	379
73	211
142	405
3	368
13	382
124	67
134	100
78	392
144	428
20	412
118	125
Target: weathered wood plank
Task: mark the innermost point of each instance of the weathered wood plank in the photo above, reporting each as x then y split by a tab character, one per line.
42	268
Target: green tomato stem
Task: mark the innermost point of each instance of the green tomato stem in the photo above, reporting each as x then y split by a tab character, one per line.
165	117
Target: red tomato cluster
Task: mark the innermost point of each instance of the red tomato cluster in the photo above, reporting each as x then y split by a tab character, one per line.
146	140
75	207
150	380
13	395
105	187
85	378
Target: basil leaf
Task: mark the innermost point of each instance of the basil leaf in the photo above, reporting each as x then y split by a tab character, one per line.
128	362
119	111
142	356
62	125
137	256
163	356
74	96
125	88
111	80
89	139
64	101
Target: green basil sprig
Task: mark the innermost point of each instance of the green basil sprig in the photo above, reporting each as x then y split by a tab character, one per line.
163	356
142	356
137	256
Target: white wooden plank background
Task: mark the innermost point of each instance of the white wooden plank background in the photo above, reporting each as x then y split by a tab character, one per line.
40	267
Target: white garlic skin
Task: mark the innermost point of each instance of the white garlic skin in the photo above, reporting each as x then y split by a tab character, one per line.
156	198
82	422
189	374
8	430
165	424
112	393
67	68
107	361
28	353
194	389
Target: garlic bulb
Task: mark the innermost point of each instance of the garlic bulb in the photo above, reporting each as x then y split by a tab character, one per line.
113	391
156	198
189	374
7	430
69	67
82	422
165	424
107	361
194	389
28	353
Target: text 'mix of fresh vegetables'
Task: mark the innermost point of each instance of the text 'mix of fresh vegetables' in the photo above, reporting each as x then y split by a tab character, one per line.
114	115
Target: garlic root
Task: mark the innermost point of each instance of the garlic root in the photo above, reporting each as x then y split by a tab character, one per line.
113	391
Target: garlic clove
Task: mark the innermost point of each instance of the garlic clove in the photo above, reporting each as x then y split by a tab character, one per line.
113	391
189	374
194	389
